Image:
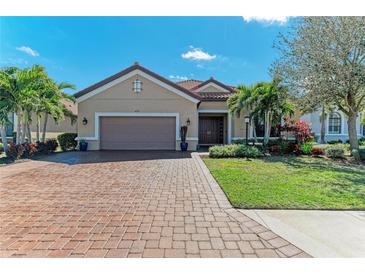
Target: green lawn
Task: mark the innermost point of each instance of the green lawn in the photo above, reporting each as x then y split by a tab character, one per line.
290	182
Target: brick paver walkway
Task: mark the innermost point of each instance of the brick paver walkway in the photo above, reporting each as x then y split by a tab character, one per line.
166	207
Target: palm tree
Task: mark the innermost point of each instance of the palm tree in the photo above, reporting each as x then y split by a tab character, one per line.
10	97
266	101
52	104
29	93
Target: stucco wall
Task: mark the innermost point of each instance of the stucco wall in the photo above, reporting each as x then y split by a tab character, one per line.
314	121
121	98
213	105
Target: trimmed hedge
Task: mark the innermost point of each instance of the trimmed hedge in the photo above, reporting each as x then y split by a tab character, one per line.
335	151
234	151
67	141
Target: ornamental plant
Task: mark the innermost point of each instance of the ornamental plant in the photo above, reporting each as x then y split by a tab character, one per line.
300	129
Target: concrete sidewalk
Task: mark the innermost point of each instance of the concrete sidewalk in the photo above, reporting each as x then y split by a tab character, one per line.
321	233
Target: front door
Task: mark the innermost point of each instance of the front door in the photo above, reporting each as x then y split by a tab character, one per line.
211	130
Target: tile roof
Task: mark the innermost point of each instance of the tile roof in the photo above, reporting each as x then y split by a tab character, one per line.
189	84
194	85
189	87
214	96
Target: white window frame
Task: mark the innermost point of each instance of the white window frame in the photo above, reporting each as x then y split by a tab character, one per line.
137	86
328	124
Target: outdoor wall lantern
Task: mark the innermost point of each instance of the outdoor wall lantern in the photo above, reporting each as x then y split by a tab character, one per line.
188	122
84	121
137	86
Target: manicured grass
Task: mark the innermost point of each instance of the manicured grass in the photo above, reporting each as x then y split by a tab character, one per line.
290	182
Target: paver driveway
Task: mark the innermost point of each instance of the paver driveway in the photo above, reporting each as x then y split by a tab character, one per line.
125	204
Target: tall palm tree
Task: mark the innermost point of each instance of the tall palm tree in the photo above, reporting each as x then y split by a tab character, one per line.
52	104
266	101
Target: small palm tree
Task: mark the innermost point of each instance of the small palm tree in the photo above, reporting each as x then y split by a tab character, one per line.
266	101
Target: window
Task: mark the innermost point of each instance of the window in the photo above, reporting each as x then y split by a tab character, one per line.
334	123
137	85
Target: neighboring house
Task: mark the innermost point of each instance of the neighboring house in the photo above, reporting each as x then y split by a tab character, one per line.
335	124
137	109
53	129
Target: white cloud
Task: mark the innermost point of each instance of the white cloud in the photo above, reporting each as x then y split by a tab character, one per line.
178	78
281	20
198	55
28	51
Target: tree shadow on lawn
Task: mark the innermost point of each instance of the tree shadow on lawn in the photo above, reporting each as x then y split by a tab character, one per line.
343	170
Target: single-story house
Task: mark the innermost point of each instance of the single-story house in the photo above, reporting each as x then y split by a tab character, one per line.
137	109
335	125
53	129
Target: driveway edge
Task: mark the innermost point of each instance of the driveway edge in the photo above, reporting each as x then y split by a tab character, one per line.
271	240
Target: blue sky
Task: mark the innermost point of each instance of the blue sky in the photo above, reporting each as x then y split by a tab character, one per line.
84	50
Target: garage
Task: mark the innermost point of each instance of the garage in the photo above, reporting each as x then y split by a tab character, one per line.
137	133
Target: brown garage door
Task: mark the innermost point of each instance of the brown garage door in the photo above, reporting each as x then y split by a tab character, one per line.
137	133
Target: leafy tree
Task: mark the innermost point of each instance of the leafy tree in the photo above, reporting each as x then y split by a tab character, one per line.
267	101
324	58
29	93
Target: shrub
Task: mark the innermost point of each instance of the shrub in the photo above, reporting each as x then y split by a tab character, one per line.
306	148
300	129
15	151
1	148
239	141
288	147
275	149
247	151
335	151
362	142
316	151
229	151
67	141
48	147
51	145
29	150
334	142
362	153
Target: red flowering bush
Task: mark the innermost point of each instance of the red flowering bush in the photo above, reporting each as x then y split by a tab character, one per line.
29	150
15	151
300	129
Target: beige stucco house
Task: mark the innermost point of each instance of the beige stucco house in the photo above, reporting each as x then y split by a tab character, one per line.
139	109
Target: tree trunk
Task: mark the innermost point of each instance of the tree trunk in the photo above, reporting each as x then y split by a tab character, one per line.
22	136
3	138
29	133
267	128
323	125
37	128
18	129
351	122
44	127
254	134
